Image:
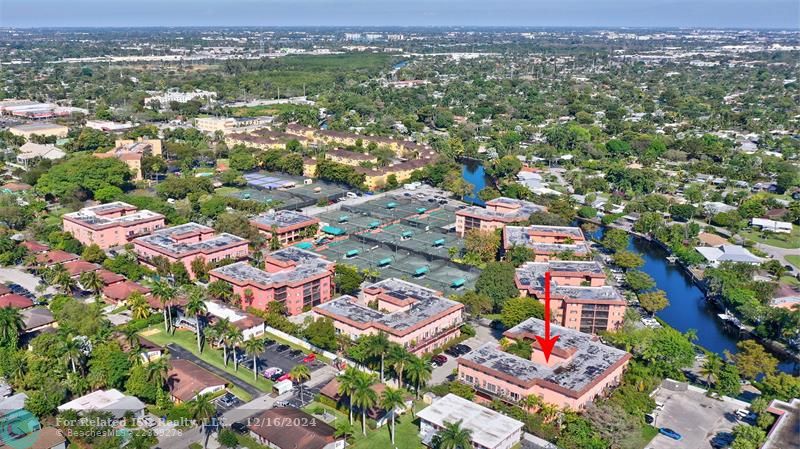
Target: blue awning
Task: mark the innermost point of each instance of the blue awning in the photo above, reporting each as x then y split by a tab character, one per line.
332	230
439	242
304	245
407	234
421	210
374	224
420	271
343	219
458	283
352	253
384	262
391	205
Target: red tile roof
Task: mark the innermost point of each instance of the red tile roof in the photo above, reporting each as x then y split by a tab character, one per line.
109	277
78	267
120	291
15	301
35	247
186	379
16	186
54	257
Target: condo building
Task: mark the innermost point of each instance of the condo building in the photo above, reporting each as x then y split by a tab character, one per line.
111	224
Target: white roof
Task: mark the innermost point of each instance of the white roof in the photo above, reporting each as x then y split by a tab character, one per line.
32	150
219	310
103	400
765	223
489	428
727	253
12	403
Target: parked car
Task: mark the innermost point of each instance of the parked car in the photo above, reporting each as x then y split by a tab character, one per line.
439	360
295	352
669	433
228	400
268	342
282	348
148	422
271	371
286	376
240	427
310	358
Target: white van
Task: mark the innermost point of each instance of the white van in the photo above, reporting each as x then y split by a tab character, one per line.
351	195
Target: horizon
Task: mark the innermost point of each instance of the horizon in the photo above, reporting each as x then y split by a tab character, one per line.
644	14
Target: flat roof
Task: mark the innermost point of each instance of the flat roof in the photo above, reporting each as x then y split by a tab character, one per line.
589	362
523	210
282	219
488	428
306	265
95	216
521	236
164	240
111	399
785	432
423	305
531	275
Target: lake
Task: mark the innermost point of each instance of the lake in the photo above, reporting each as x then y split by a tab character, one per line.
472	172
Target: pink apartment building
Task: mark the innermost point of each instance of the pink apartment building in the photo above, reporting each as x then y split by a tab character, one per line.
548	242
187	242
289	225
418	318
579	298
299	279
498	213
580	369
112	224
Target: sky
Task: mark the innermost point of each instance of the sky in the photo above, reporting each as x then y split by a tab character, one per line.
535	13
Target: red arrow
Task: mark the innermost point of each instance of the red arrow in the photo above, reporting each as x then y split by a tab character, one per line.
547	343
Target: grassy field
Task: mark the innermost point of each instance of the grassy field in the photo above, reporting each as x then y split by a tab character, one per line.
187	340
794	260
788	241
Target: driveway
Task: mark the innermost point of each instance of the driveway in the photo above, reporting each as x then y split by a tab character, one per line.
483	334
178	352
284	360
23	278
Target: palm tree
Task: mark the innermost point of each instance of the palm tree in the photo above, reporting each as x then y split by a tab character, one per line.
62	278
253	347
165	293
300	373
548	411
364	397
711	368
220	290
377	345
531	402
196	305
218	332
11	324
398	358
391	400
202	409
73	351
343	429
138	305
234	337
347	381
158	372
453	436
419	372
92	281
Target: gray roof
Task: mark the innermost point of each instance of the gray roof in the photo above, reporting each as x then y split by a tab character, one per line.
488	428
531	275
95	215
526	208
424	304
308	264
728	253
520	236
36	317
281	219
589	362
165	240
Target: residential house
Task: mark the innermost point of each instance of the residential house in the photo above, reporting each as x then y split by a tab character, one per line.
292	428
186	381
728	253
111	401
488	429
131	152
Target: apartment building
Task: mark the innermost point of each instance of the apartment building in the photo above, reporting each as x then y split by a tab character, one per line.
111	224
131	153
579	298
290	226
497	214
415	317
548	242
297	278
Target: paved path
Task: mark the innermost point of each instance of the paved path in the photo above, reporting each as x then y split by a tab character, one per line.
178	352
779	254
483	334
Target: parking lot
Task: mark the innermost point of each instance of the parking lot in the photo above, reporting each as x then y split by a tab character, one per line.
696	417
275	355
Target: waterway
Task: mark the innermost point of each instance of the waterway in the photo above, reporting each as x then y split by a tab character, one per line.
687	308
472	172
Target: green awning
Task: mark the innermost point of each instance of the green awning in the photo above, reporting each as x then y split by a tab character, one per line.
407	234
352	253
374	224
304	245
420	271
246	196
384	262
421	210
391	205
343	219
439	242
332	230
458	283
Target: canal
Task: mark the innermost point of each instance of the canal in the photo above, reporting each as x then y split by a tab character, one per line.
472	172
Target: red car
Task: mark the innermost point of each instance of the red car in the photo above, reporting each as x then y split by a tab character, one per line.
310	358
439	360
286	376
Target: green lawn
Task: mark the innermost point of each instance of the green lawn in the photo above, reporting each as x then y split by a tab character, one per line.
790	280
794	260
406	436
213	357
641	440
788	241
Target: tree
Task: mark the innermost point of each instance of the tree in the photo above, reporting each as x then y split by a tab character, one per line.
233	336
654	301
483	244
639	281
220	290
747	437
158	372
475	303
377	345
419	372
94	254
199	269
711	368
321	333
227	438
453	436
497	282
347	279
753	360
195	305
627	260
682	212
347	385
138	305
392	399
82	175
615	239
781	385
343	429
202	408
519	254
11	324
165	294
363	396
728	381
92	281
517	310
252	348
398	357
